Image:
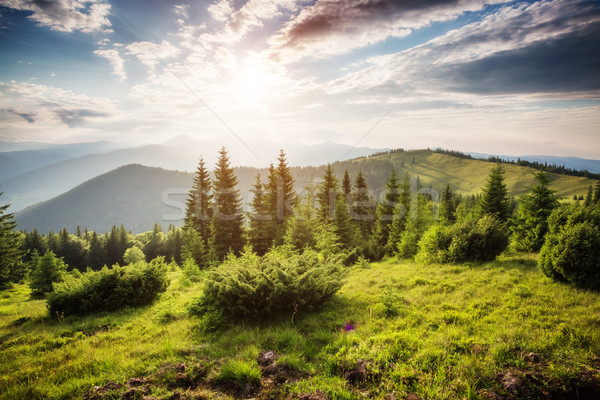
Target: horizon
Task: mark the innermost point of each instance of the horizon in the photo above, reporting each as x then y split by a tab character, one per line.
496	77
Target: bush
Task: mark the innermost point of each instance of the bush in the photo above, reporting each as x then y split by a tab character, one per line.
133	254
571	252
280	281
480	240
191	271
110	289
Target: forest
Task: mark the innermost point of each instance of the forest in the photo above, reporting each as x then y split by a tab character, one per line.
291	271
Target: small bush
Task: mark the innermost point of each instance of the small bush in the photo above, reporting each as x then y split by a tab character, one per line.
571	252
191	271
110	289
480	240
280	281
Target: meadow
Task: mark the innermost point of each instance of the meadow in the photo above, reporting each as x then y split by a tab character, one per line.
396	330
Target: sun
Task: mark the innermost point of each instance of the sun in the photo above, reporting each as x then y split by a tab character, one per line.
254	82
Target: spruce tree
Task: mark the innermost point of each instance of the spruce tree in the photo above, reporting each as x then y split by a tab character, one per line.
199	207
33	242
96	254
326	195
401	215
227	219
448	206
361	209
531	224
494	200
300	231
285	199
344	228
11	264
596	199
346	186
386	211
260	220
589	198
49	269
113	249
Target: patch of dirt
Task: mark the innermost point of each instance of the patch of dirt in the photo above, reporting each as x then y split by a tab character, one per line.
318	395
358	374
274	373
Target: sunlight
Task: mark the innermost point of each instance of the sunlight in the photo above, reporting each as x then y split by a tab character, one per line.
254	81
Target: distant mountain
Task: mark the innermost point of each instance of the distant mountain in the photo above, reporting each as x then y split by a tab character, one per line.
569	162
138	196
18	162
181	153
69	149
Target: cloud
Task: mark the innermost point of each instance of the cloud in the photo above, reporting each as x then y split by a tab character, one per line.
566	64
115	61
66	15
339	26
151	54
27	116
75	118
544	47
239	22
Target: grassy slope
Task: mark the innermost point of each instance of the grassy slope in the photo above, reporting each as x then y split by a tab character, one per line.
470	176
425	330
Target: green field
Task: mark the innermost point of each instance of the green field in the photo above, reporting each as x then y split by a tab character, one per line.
395	330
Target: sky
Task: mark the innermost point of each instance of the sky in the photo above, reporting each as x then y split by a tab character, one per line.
499	77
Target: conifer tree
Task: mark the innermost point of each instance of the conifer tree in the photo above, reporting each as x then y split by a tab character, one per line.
344	228
260	220
326	196
596	199
193	248
11	264
97	253
401	215
494	200
589	198
49	269
361	210
228	232
300	231
199	207
531	224
385	212
447	205
346	186
285	197
33	242
113	248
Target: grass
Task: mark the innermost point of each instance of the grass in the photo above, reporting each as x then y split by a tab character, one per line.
397	329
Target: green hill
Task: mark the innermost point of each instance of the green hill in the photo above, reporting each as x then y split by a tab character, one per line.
133	195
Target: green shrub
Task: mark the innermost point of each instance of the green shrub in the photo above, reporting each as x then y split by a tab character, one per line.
480	240
280	281
133	254
571	252
244	375
191	271
110	289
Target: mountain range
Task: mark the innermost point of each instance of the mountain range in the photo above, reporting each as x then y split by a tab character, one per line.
50	179
139	196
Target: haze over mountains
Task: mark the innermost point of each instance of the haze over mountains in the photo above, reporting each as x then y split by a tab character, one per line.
139	196
50	179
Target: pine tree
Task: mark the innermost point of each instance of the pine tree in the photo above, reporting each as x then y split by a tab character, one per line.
96	254
448	206
11	264
285	197
494	200
344	228
33	242
227	219
362	209
199	207
386	211
113	249
155	247
531	224
327	195
300	231
346	186
596	199
401	215
193	248
49	269
260	220
589	198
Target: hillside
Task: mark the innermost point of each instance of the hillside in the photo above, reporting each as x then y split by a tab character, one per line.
133	195
500	330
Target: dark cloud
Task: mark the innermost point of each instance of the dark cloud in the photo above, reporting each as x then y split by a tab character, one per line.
570	63
331	17
75	118
29	117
